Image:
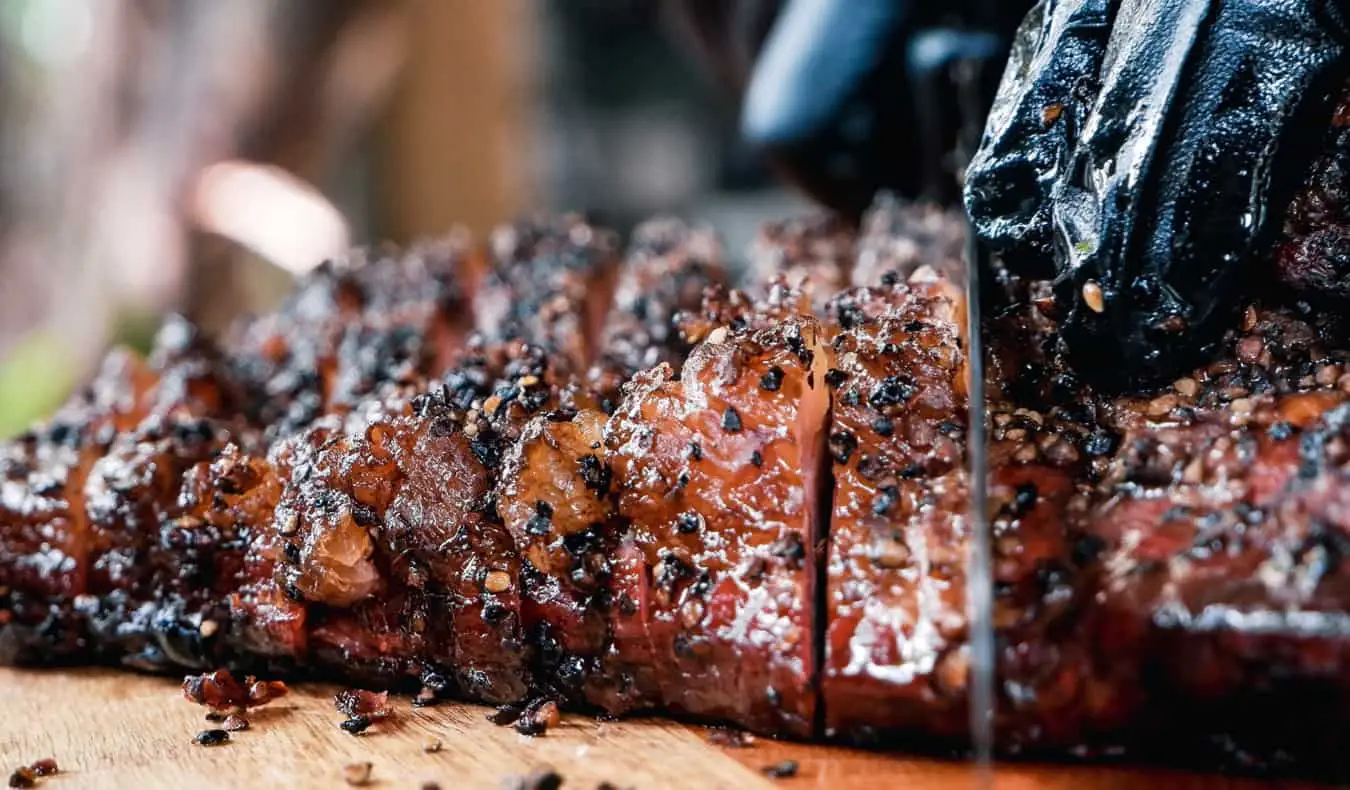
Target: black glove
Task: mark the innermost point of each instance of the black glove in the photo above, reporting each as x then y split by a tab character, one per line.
1141	147
848	97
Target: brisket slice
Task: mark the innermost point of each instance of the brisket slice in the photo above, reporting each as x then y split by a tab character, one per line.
718	478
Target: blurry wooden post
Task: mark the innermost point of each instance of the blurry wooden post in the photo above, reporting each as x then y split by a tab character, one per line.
459	146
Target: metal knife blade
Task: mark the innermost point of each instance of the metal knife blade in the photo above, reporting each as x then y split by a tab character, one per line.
979	581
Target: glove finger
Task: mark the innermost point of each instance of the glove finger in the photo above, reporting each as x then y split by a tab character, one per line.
811	104
1044	94
1195	130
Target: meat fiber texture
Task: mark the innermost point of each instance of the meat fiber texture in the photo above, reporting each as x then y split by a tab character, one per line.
552	468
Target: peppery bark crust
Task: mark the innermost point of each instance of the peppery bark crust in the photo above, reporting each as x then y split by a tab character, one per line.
764	527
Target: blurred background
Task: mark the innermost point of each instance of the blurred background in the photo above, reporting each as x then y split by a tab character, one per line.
196	155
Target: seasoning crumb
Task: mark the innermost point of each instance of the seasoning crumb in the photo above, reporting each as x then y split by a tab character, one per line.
504	715
357	774
215	716
23	777
431	745
732	739
731	420
359	702
772	379
544	779
45	767
222	692
356	724
235	723
425	697
211	738
1093	296
538	718
431	786
780	770
497	582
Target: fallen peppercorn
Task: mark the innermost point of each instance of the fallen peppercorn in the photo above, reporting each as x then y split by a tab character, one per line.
211	737
504	715
780	770
356	724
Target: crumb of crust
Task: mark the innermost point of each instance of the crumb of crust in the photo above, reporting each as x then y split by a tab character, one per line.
223	693
359	702
780	770
45	767
543	779
431	786
425	697
431	745
505	715
538	717
356	724
211	738
732	739
235	723
357	774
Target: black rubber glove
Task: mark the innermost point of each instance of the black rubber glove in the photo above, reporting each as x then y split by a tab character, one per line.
848	97
1143	149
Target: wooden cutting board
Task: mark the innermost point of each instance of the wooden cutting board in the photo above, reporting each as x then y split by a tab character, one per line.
108	729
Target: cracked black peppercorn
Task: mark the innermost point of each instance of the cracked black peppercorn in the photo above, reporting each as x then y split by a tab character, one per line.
772	379
886	498
731	420
211	737
356	725
781	770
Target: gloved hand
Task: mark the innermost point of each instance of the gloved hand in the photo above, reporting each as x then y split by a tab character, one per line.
848	97
1144	149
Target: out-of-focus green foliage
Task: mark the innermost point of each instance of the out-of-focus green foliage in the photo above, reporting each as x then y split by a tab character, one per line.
34	377
39	372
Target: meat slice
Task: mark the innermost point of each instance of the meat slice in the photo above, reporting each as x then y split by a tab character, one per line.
814	253
549	284
1222	598
895	649
352	328
668	268
902	237
719	478
897	654
388	538
555	498
84	497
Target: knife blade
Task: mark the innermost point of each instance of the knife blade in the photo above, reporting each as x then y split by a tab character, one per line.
979	574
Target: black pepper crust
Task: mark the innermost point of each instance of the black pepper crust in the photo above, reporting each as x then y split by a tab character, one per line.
362	486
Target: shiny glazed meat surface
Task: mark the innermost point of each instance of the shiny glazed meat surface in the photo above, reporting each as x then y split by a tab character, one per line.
561	471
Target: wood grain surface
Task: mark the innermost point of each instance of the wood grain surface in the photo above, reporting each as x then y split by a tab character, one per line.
116	730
